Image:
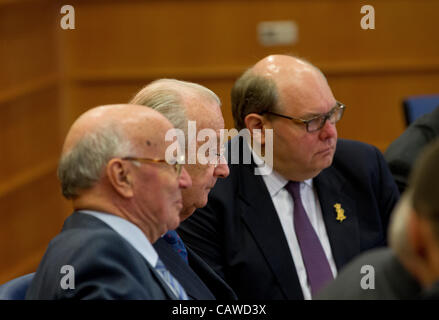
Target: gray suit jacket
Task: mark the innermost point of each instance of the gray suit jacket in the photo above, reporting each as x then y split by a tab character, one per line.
105	266
391	280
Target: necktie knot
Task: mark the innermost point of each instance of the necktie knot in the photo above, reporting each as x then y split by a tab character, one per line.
293	187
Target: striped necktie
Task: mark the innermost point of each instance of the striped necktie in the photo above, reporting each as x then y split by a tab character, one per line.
172	283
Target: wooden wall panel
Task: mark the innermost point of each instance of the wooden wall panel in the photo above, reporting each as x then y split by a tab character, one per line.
27	41
31	207
374	101
29	131
31	215
212	42
139	35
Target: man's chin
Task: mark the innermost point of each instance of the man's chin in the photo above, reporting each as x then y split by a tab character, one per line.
174	224
186	213
325	164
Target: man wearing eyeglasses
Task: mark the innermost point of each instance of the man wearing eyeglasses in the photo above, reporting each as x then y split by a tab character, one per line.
284	235
182	101
125	196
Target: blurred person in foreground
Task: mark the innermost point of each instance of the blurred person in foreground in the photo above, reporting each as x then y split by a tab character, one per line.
409	269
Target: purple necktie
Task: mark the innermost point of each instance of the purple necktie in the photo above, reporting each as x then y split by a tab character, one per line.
316	264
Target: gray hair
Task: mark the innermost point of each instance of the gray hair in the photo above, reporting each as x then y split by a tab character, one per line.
81	167
164	96
252	93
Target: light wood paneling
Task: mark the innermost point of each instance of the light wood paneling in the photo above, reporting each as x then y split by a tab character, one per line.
137	35
132	42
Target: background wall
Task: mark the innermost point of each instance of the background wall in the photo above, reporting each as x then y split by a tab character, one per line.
48	76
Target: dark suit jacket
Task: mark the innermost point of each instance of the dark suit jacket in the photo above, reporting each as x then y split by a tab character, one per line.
431	293
197	278
105	265
391	279
403	152
240	236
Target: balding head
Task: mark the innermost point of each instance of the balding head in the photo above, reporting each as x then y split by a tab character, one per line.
102	133
113	161
275	81
282	94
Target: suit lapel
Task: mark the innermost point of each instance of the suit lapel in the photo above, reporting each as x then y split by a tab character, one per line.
162	282
78	220
217	286
343	235
192	284
261	218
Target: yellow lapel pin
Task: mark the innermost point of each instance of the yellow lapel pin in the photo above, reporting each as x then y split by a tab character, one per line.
340	212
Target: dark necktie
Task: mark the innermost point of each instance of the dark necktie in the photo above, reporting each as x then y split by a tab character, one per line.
175	241
316	264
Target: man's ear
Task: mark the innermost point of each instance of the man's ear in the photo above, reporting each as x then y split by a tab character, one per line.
256	124
120	177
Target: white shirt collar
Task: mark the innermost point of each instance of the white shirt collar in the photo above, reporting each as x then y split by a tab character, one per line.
275	181
130	232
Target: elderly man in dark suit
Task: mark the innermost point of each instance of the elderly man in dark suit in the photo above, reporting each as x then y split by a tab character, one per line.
125	196
284	233
181	102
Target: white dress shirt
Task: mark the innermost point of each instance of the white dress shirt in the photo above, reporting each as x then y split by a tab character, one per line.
284	205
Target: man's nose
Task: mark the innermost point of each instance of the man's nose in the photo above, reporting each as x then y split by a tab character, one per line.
221	170
184	180
328	131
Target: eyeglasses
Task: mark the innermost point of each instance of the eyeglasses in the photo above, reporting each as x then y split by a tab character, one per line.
316	123
178	165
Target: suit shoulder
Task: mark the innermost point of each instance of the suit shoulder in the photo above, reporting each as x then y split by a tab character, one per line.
98	256
350	146
89	239
357	155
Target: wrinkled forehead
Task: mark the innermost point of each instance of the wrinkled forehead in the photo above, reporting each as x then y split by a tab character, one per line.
206	113
148	138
